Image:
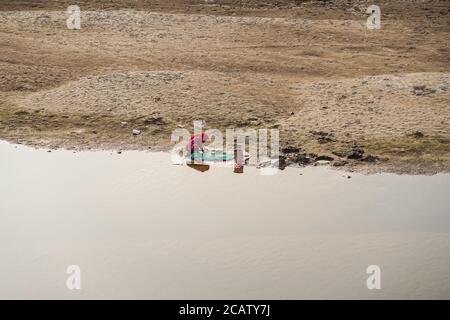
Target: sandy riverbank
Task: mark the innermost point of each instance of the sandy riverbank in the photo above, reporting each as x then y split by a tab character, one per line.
312	70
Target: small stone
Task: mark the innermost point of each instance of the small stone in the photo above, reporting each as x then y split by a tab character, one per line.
281	162
370	158
418	134
422	90
324	158
302	159
355	154
339	163
154	120
290	150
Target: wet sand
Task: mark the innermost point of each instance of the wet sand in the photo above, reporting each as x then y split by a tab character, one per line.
140	227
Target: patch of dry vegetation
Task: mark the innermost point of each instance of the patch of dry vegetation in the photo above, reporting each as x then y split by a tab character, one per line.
304	67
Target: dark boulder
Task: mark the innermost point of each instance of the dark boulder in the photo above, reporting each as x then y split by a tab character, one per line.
356	153
324	158
303	159
370	158
282	162
290	149
339	163
418	134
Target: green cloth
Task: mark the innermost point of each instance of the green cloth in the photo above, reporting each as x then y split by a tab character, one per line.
212	155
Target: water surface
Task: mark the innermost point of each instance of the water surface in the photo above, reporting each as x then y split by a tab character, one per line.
140	227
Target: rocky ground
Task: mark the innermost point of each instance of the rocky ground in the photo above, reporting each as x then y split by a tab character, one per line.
372	100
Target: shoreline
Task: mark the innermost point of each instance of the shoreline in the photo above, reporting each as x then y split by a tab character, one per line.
355	167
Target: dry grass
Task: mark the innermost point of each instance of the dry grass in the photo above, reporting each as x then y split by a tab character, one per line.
310	68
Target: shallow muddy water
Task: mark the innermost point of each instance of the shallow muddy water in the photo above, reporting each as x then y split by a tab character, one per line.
140	227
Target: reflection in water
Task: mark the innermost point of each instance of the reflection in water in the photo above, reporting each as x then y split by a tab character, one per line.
140	227
202	160
202	167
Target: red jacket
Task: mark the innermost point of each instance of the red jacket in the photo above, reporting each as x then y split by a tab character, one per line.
196	141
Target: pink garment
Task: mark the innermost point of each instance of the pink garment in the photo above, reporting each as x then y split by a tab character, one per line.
196	142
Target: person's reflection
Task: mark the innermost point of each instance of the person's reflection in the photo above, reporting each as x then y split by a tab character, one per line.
238	159
202	167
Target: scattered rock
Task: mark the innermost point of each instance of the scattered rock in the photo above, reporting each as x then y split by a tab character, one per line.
417	134
340	154
356	153
282	162
303	159
370	158
324	158
154	120
323	137
323	140
422	90
339	163
290	150
21	113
